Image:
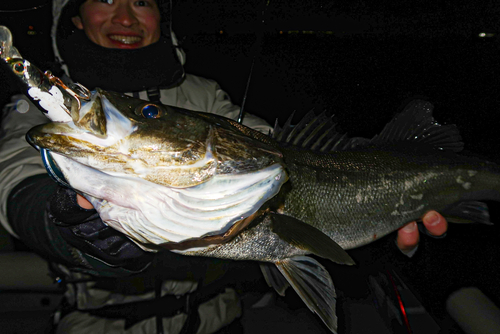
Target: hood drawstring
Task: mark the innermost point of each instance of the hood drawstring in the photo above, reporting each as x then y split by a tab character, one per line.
154	94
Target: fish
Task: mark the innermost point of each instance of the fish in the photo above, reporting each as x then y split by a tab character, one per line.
200	184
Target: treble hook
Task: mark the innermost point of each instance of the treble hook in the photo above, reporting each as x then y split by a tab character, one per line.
83	94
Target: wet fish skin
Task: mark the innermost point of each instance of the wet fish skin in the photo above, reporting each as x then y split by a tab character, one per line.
362	195
359	194
365	194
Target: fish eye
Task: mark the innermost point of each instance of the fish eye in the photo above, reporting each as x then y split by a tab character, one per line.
19	67
150	111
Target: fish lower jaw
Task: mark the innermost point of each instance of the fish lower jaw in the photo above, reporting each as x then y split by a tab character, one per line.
153	214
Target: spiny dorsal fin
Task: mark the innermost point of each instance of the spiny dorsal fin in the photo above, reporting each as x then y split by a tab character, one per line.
280	133
316	133
416	124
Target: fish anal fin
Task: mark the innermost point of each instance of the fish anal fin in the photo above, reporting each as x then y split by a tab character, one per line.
314	285
307	237
468	212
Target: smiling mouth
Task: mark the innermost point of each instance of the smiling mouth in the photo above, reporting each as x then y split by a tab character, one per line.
125	39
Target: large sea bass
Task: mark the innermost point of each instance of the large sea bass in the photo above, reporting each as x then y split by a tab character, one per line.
199	184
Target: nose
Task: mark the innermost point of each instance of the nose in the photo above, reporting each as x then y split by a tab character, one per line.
124	14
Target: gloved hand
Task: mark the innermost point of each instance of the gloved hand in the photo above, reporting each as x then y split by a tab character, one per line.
84	230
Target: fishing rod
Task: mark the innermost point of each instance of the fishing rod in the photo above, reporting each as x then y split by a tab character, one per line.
24	9
257	49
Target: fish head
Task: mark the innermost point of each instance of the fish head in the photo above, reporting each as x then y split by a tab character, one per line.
178	174
121	135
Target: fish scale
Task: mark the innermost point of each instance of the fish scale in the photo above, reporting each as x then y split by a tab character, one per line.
353	206
359	193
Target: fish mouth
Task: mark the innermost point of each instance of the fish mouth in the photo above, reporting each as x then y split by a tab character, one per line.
53	169
48	162
125	39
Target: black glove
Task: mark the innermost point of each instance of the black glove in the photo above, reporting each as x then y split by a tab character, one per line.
84	230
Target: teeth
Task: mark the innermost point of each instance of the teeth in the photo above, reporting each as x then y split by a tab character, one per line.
125	39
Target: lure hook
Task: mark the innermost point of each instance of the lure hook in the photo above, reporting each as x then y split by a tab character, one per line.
83	94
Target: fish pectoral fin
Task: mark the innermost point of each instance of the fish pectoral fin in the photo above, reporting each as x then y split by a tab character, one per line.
274	278
468	212
307	237
314	285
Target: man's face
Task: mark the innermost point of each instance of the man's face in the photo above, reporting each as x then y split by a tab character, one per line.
120	24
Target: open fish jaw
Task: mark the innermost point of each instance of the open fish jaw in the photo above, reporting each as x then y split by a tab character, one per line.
153	214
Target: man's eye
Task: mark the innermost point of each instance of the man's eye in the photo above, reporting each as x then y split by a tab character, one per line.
142	3
109	2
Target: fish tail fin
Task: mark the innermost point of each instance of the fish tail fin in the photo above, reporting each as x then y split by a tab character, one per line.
314	285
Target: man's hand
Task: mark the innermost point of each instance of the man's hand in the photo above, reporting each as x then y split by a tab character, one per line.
408	235
82	201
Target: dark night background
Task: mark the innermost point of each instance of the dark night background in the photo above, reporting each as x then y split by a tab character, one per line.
361	61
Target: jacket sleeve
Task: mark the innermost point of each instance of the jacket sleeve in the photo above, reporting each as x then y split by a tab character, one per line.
18	160
46	216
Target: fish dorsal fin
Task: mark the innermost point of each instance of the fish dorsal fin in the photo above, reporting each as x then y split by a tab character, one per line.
316	133
416	124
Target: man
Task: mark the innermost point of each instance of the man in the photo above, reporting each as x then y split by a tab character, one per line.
125	46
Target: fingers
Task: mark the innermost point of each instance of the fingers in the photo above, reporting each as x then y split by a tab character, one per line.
82	201
435	223
408	237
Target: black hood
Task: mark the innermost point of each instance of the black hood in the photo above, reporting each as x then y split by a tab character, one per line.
156	65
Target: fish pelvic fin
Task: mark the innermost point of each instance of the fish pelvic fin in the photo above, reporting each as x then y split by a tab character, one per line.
313	284
307	237
274	278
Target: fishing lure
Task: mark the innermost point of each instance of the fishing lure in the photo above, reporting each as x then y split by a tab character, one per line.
59	101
